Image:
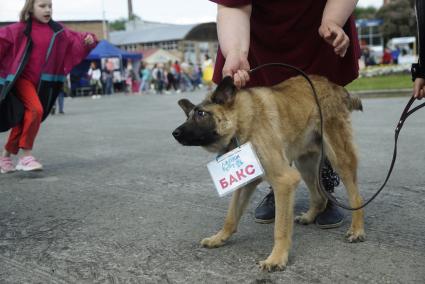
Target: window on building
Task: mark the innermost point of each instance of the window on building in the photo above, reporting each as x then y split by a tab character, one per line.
204	48
189	51
369	33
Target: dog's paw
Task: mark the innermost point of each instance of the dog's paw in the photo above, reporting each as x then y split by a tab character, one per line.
212	242
355	236
272	264
304	219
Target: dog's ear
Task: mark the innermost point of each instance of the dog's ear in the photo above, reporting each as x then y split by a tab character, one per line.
186	105
225	92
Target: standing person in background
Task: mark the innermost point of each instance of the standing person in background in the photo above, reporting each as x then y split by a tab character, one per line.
418	70
185	82
387	57
95	76
155	72
178	71
171	79
66	90
145	77
108	77
36	51
159	78
129	77
195	77
207	71
395	54
317	36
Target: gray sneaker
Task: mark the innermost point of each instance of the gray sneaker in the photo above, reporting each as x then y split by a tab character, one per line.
265	211
332	217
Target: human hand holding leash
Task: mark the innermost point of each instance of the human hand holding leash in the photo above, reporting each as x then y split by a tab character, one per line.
419	88
334	35
237	67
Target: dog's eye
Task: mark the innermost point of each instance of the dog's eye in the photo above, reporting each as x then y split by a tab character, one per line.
201	113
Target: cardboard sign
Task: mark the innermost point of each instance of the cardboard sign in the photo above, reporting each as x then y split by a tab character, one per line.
235	169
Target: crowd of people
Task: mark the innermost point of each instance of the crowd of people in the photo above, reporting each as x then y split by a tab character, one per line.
389	56
158	78
172	76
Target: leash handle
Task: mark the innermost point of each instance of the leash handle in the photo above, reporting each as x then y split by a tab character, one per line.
404	115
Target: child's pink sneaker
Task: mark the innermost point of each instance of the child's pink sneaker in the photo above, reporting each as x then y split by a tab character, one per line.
28	163
6	165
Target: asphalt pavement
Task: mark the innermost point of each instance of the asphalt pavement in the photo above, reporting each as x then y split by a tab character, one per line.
120	201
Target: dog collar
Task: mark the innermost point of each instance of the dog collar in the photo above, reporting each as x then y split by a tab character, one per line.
234	141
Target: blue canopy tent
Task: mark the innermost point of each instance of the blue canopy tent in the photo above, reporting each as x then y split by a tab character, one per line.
103	50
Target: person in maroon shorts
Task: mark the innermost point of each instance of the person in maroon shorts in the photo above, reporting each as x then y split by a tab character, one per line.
317	36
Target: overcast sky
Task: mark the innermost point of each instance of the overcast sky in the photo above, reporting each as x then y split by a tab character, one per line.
168	11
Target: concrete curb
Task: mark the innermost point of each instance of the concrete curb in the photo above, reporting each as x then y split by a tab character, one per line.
383	93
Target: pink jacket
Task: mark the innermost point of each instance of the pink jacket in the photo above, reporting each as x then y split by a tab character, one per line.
66	50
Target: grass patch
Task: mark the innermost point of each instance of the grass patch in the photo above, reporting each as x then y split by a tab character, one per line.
381	82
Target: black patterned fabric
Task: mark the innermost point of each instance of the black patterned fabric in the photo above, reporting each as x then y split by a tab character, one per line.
330	179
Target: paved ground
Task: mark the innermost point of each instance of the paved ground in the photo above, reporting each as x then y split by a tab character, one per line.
120	201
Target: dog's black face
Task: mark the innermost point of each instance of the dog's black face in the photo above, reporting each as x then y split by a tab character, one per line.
200	127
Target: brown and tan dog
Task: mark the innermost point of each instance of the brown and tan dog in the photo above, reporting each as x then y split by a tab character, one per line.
283	125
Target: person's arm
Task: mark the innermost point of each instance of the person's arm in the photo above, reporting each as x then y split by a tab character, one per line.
419	73
334	18
233	28
5	41
79	46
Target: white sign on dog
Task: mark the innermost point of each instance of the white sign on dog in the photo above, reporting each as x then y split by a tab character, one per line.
235	169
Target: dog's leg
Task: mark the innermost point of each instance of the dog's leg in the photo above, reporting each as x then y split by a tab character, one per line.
284	183
307	165
345	163
237	206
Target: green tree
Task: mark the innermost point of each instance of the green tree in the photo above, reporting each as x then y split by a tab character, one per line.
365	13
399	19
117	25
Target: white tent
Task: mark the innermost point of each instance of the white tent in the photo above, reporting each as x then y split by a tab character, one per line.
159	56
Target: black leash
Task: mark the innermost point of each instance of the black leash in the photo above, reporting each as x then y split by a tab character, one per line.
404	115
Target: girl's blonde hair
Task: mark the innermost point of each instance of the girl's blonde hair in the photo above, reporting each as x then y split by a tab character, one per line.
26	10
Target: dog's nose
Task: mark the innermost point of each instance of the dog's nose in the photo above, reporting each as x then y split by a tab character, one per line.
177	133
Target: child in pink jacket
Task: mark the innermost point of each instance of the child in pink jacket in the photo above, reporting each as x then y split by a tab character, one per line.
35	56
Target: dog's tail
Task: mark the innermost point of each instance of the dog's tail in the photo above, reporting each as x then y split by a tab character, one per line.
353	102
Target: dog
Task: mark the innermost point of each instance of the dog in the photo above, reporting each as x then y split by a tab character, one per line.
282	123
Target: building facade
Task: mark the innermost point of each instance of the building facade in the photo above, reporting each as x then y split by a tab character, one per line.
189	43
